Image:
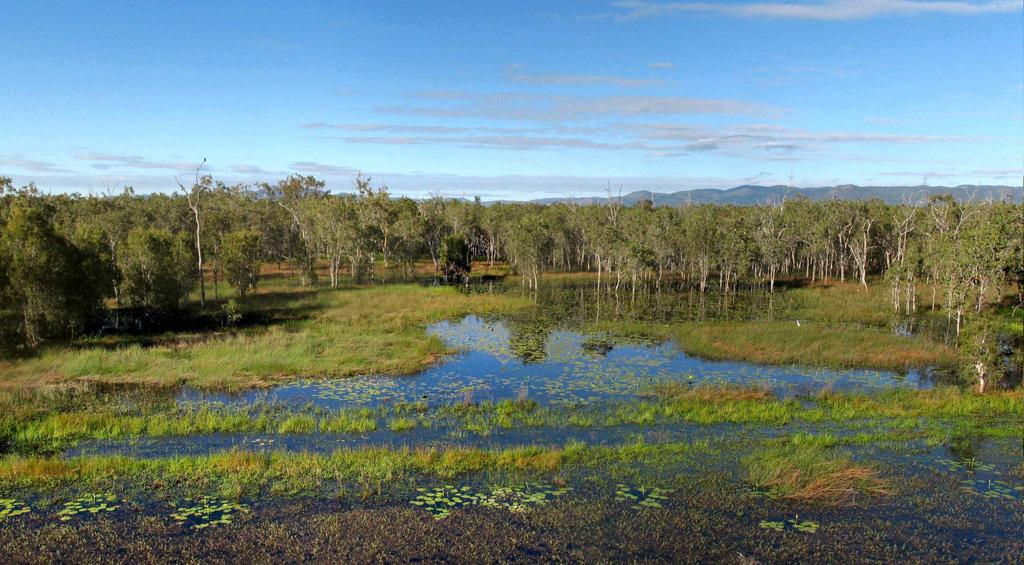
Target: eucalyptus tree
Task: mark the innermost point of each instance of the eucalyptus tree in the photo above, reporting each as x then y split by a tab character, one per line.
299	196
379	211
240	257
55	287
529	244
194	195
492	223
664	238
862	220
333	231
905	259
228	209
156	275
734	246
407	235
434	221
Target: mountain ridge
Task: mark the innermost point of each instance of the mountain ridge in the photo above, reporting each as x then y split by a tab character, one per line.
758	194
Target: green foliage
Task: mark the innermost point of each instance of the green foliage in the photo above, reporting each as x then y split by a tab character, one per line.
442	501
980	359
804	526
641	497
11	507
369	330
456	258
804	470
240	257
207	511
88	504
157	270
55	287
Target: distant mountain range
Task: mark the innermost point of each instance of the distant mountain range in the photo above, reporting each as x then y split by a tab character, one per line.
752	194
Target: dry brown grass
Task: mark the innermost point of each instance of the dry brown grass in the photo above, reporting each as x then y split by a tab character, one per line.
839	485
809	472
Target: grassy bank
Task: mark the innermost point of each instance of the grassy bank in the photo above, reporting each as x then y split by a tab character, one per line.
236	473
935	415
321	334
813	344
784	343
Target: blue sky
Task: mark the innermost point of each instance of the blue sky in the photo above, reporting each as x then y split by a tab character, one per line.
513	100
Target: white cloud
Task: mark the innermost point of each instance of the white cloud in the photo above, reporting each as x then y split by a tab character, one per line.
107	161
553	108
30	165
518	74
313	168
828	10
753	141
249	170
983	173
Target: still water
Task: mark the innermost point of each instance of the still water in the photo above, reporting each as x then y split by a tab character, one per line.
501	360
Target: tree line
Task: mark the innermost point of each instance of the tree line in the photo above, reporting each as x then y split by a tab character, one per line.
64	255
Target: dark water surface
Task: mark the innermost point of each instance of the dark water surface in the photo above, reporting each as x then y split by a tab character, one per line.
497	361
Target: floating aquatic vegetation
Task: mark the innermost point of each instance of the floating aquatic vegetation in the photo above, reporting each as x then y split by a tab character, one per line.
993	488
641	497
520	498
91	504
11	507
763	492
207	511
968	465
441	501
805	526
772	525
262	442
562	370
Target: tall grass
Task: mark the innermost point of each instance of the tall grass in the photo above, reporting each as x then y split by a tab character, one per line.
329	333
785	343
808	471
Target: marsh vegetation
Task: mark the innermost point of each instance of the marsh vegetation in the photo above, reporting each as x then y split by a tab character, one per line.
368	378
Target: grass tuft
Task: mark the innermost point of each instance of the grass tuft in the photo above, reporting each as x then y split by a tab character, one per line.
807	471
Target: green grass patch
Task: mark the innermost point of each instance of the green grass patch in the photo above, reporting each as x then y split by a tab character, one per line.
810	469
785	343
325	333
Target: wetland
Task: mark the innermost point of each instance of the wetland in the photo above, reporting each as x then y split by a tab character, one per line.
566	423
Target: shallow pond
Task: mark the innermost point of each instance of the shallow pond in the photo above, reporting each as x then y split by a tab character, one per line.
500	360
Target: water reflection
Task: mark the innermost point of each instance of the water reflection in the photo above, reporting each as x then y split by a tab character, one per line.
501	360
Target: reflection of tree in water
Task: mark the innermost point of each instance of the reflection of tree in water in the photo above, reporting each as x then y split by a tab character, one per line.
964	447
528	341
598	346
578	302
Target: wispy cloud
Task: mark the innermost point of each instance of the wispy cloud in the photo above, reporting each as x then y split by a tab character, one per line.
828	10
752	141
773	133
518	74
107	161
983	173
249	170
313	168
552	108
424	183
517	142
414	129
31	165
661	65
